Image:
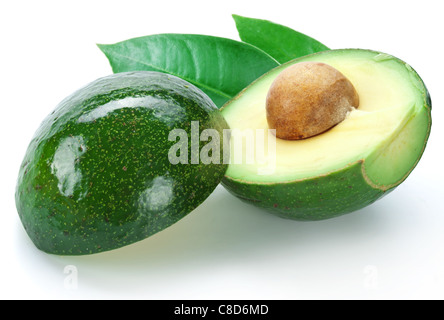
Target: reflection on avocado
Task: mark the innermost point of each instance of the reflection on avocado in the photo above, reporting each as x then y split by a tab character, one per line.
97	175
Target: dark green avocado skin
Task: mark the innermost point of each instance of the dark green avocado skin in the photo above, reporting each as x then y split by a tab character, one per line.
319	198
96	175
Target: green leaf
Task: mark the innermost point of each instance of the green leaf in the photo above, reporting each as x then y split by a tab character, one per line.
220	67
282	43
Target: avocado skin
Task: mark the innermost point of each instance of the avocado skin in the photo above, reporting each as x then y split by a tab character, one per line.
96	175
319	198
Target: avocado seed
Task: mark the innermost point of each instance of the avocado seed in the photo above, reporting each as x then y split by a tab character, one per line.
307	99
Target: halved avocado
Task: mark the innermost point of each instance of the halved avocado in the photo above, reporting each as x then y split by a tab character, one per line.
97	175
349	166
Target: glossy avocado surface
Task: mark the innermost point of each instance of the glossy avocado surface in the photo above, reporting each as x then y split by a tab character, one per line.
96	176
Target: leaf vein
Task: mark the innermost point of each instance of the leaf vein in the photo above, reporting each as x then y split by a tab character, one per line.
194	82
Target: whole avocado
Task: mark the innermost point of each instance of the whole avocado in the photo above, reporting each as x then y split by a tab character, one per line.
97	176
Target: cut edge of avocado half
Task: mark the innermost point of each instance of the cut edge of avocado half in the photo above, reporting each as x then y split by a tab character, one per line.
354	163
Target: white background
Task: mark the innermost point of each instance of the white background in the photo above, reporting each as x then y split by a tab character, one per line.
225	249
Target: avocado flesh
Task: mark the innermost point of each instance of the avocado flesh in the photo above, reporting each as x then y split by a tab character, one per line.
384	137
96	176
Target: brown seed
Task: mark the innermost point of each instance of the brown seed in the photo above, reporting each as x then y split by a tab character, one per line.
307	99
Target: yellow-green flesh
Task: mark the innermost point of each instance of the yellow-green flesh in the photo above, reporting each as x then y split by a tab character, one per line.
388	130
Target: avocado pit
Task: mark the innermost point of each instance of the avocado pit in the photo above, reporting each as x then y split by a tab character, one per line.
308	98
